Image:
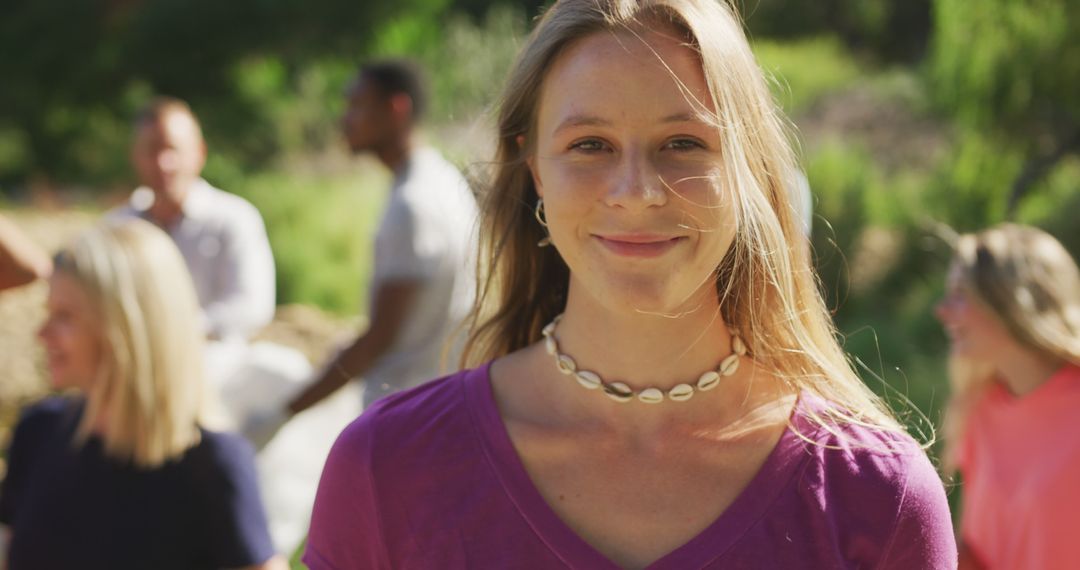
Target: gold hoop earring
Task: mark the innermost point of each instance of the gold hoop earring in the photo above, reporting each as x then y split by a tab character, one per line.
538	213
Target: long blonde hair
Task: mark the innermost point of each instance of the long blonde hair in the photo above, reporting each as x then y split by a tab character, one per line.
1027	279
150	386
766	285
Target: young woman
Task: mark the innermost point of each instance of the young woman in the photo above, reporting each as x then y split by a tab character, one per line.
124	474
1012	312
657	382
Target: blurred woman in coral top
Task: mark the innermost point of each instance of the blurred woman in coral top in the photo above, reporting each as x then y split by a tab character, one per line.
1012	312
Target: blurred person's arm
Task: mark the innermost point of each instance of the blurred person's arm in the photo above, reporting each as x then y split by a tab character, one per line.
21	261
392	303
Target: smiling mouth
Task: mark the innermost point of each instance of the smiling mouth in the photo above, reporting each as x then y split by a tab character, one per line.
639	246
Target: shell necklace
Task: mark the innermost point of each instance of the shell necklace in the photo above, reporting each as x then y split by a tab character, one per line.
622	393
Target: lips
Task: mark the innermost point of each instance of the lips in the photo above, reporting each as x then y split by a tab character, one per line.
643	246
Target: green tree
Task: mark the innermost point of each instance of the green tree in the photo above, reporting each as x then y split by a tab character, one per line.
74	70
1010	71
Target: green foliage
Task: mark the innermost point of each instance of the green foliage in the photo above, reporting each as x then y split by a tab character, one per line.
1000	62
881	274
320	229
1010	71
882	262
1055	205
84	66
974	188
805	70
468	65
887	30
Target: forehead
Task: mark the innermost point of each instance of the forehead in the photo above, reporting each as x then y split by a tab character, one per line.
608	71
65	290
173	128
363	89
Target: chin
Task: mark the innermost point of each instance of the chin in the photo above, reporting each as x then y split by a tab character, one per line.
61	380
651	300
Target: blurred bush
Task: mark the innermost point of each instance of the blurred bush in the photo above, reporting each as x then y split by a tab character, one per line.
804	70
321	231
883	30
1010	72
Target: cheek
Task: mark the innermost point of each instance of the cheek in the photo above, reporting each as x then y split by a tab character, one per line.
85	348
707	209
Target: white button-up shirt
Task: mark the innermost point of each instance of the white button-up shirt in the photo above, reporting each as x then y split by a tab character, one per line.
223	240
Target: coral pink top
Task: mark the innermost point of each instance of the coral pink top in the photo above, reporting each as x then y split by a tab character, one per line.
1020	459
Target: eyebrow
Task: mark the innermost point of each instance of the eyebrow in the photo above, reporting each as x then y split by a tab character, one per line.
580	120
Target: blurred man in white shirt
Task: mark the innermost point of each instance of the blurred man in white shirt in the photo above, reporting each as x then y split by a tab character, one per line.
221	235
224	243
423	281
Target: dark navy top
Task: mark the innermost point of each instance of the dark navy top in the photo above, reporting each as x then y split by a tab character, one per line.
72	506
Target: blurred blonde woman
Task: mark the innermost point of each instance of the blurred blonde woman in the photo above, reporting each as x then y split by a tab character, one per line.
1012	312
656	381
124	473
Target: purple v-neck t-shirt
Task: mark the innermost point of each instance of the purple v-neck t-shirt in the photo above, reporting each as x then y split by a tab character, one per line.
429	478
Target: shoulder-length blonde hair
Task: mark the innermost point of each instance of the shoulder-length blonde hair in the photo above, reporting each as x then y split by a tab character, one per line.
1029	281
150	386
766	285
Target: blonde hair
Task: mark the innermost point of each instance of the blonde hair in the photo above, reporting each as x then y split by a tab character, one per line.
767	288
150	388
1029	281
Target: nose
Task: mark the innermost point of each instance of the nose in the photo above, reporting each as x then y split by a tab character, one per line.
636	183
168	160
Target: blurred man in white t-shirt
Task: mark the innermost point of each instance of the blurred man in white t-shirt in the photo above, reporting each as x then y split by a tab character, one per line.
423	278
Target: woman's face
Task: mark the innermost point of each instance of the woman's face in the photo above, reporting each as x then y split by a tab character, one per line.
974	330
628	172
70	335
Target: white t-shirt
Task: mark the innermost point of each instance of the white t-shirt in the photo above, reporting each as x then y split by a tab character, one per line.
223	241
427	234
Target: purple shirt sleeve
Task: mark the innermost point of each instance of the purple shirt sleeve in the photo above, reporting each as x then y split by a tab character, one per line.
922	536
345	529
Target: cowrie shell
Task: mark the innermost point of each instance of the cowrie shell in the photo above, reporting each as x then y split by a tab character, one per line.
681	392
588	379
651	396
708	381
566	364
737	345
549	329
619	392
550	344
729	365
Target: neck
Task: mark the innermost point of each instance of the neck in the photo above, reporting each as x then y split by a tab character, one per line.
395	153
168	207
1025	370
650	351
644	350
